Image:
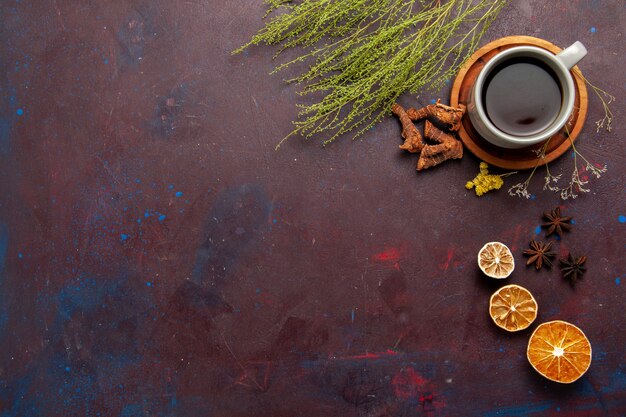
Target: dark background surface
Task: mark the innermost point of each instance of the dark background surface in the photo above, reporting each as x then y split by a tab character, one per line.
159	258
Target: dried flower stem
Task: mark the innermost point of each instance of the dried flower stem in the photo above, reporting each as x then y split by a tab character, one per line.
521	189
576	184
605	98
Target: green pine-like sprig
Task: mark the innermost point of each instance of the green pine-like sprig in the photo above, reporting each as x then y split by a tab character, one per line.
363	54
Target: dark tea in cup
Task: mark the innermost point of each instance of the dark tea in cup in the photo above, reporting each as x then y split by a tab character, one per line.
522	96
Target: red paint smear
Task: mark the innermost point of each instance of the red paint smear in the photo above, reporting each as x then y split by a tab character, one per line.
446	264
429	404
368	355
407	383
426	398
388	255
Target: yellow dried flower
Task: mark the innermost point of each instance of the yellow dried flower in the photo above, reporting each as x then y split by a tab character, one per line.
484	182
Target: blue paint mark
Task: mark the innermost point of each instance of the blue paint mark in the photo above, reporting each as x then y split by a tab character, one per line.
274	221
5	132
20	255
246	206
618	280
433	101
519	410
139	220
168	110
179	194
123	237
148	284
162	217
537	230
621	218
171	186
137	180
599	355
106	61
20	112
84	294
146	214
136	29
593	29
113	349
618	381
573	221
4	246
22	406
132	410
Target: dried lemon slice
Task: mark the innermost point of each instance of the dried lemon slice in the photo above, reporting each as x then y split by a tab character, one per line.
513	308
559	351
496	260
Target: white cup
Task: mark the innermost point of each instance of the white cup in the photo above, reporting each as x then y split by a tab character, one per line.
560	64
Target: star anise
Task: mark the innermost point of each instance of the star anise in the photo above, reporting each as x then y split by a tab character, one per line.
555	222
539	254
573	268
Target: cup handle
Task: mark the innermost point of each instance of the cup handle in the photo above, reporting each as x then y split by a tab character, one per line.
572	54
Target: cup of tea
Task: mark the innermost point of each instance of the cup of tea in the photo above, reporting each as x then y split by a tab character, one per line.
524	95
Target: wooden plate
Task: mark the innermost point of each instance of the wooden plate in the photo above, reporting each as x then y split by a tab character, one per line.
515	158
